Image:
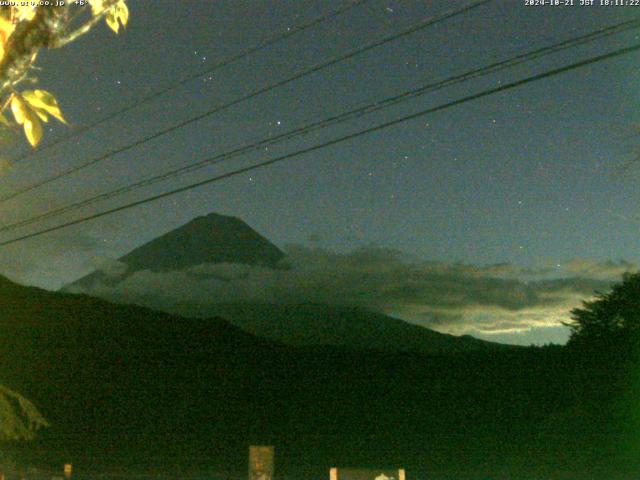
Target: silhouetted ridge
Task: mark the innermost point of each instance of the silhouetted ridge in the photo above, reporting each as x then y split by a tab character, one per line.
317	324
218	238
128	386
212	238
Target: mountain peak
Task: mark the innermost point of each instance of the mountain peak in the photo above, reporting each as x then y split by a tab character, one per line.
213	218
211	238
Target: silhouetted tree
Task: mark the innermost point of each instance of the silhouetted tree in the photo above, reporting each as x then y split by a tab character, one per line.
610	322
604	343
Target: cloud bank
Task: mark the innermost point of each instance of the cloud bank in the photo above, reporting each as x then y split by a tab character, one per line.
41	259
502	301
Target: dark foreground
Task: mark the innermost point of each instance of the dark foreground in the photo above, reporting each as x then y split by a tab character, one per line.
128	389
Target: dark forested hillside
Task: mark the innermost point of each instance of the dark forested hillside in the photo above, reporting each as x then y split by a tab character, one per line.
197	391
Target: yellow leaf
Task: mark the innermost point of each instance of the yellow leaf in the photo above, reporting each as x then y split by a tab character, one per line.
24	12
41	114
19	109
6	29
32	128
43	102
97	6
112	21
118	14
123	12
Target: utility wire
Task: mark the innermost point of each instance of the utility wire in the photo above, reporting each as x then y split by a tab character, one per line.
208	71
340	118
422	113
412	29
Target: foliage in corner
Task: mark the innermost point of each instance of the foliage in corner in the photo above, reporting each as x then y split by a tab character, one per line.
19	418
24	31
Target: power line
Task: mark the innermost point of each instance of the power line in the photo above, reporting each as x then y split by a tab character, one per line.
412	29
357	113
208	71
485	93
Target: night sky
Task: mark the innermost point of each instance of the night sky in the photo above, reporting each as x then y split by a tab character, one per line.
526	185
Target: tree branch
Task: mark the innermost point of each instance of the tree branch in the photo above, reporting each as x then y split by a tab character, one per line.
26	40
78	32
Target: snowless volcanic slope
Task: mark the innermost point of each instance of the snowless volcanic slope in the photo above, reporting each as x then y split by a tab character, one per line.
213	238
216	239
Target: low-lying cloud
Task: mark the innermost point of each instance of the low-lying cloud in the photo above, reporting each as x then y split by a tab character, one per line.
499	301
44	257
